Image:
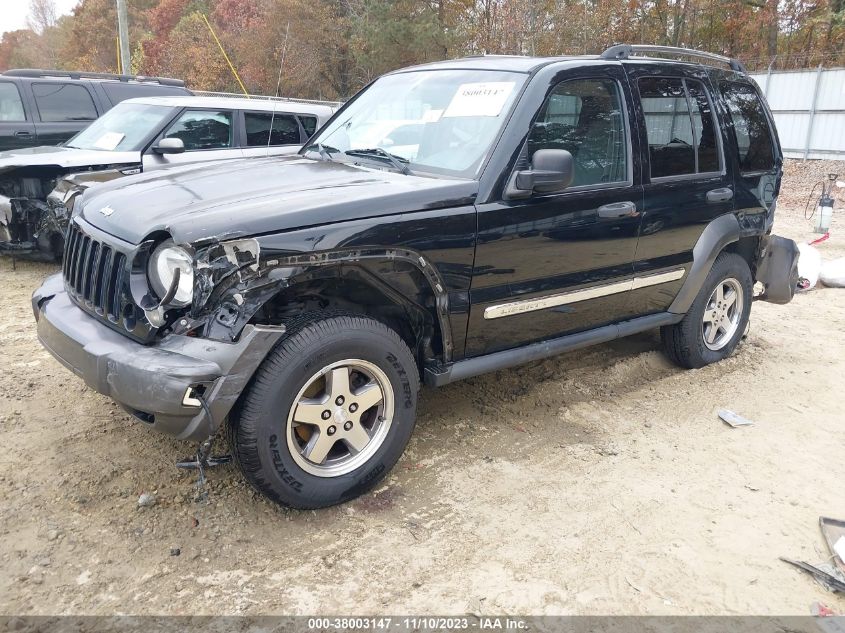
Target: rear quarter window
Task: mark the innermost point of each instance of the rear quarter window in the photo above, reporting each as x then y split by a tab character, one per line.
755	144
63	102
309	124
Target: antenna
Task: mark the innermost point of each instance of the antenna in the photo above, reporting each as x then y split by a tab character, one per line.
278	88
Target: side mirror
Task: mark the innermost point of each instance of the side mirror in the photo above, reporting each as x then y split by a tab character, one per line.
551	170
169	146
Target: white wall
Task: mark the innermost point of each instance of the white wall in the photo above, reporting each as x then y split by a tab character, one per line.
791	97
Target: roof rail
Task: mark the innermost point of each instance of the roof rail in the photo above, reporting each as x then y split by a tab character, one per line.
626	51
74	74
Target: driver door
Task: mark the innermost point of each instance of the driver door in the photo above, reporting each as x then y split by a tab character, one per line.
559	263
207	135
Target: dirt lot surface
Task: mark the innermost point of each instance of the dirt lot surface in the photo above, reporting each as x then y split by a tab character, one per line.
599	482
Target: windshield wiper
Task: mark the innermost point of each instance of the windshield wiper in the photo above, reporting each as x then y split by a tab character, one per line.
398	162
324	150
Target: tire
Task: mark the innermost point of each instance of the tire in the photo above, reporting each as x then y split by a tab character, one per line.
692	343
291	439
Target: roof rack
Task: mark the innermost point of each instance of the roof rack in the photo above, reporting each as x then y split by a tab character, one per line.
626	51
73	74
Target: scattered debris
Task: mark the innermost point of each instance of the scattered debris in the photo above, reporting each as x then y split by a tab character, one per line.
175	551
833	273
833	531
146	500
733	419
821	610
809	266
633	586
827	575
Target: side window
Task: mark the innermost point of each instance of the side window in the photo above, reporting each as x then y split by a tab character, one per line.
203	129
63	102
309	123
285	129
585	117
11	106
753	136
682	137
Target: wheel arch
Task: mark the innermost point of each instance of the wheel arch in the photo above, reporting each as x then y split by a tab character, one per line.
402	289
719	235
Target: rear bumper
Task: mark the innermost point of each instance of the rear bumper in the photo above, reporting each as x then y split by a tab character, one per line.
151	381
777	269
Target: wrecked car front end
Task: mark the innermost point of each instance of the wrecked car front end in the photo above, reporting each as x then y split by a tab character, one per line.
29	226
170	317
37	191
90	318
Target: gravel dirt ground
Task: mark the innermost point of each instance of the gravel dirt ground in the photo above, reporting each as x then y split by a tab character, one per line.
599	482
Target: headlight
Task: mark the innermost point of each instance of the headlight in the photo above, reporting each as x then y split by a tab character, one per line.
161	270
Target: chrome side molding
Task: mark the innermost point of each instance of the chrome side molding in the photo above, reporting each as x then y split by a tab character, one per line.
542	303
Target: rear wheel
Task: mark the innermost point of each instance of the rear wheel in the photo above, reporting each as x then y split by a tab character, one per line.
328	414
714	324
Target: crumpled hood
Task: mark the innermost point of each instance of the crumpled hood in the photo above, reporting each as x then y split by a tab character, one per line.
66	157
244	197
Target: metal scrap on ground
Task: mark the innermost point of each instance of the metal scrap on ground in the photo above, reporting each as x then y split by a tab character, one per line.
733	419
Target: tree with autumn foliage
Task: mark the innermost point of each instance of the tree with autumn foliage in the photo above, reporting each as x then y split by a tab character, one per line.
333	47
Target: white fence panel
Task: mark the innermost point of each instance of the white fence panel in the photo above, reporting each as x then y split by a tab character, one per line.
809	109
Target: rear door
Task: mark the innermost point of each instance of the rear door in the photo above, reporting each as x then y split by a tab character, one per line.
559	263
64	108
16	126
286	136
686	181
207	134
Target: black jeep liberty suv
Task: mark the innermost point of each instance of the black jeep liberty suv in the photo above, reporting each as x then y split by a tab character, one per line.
451	219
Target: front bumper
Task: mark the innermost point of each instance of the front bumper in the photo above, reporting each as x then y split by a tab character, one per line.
153	382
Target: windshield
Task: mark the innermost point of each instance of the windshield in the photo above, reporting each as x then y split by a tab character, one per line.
123	128
441	121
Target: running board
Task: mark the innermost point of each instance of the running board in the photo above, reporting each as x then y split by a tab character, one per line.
439	376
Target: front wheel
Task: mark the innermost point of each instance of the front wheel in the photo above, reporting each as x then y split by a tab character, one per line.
328	414
714	324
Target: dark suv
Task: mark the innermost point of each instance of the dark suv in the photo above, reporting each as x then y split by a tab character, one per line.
47	107
544	205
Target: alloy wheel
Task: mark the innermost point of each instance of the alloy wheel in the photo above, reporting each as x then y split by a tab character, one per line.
340	418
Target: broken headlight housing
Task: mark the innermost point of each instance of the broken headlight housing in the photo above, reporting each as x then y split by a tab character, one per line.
171	273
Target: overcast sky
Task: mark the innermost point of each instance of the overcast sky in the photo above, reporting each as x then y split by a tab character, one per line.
14	13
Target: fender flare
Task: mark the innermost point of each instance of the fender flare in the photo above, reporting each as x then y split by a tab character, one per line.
295	268
717	235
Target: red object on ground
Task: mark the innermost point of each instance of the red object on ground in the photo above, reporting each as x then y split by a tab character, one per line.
821	610
823	238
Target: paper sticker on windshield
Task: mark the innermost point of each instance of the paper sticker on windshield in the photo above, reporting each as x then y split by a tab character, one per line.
480	99
109	141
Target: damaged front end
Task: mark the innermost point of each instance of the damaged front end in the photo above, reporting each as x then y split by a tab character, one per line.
30	225
36	205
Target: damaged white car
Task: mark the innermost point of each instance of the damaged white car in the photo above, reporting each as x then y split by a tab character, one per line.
39	185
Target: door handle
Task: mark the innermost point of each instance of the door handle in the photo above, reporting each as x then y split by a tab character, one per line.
720	195
23	133
616	210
